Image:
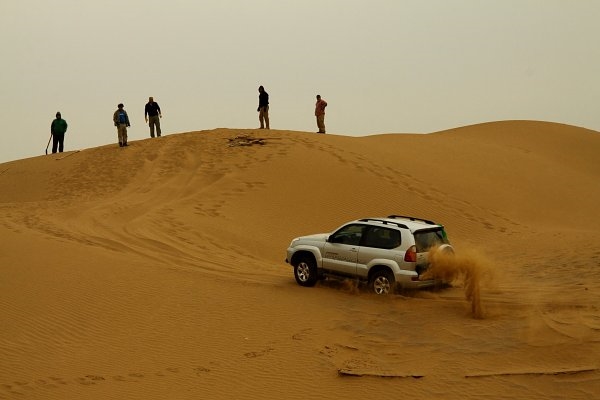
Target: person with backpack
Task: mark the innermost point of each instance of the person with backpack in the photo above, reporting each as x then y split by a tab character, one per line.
57	130
121	120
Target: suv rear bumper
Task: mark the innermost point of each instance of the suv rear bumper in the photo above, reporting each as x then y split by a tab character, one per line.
419	284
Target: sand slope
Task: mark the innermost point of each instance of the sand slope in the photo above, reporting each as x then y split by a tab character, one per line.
157	271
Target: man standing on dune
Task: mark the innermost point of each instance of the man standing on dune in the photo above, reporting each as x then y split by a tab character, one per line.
320	113
121	120
57	130
263	108
152	113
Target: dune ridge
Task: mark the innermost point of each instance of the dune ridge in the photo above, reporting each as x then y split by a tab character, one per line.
157	271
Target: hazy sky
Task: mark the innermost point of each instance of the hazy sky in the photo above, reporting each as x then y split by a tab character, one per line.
384	66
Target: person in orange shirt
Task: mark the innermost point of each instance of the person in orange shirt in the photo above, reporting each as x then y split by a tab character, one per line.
320	113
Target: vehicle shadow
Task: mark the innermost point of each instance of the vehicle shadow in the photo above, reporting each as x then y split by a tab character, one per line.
356	287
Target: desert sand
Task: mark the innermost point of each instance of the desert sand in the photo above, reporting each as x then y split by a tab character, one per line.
157	271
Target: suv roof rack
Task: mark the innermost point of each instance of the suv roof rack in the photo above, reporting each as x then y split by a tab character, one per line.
398	224
394	216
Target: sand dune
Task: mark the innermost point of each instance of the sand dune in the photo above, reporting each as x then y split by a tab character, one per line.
157	271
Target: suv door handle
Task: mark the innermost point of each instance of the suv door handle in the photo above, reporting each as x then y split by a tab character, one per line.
354	250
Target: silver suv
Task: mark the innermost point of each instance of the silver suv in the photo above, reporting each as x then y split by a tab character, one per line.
385	252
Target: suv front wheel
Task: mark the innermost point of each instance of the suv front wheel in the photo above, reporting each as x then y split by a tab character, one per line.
305	271
382	282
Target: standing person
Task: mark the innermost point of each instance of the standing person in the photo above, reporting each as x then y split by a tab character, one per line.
121	120
320	113
152	113
58	129
263	108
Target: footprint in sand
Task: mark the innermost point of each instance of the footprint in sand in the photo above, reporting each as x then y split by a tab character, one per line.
302	334
60	381
201	370
45	384
254	354
131	377
84	381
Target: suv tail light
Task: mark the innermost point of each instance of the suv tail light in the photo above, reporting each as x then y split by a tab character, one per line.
411	254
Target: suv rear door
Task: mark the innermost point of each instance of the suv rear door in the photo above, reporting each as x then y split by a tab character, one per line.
378	242
425	239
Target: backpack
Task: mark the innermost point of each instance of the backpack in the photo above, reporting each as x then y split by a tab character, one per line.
122	117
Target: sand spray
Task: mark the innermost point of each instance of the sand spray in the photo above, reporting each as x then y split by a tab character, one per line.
469	268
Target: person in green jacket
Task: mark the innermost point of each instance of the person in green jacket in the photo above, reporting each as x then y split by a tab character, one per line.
58	129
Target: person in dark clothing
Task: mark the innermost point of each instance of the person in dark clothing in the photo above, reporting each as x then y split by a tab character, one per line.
320	113
263	108
58	129
153	115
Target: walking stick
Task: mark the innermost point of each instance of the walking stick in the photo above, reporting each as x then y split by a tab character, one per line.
48	144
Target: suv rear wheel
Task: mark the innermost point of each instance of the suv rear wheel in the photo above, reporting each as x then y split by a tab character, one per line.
382	282
305	271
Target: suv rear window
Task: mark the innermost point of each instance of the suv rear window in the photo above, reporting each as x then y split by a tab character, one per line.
425	239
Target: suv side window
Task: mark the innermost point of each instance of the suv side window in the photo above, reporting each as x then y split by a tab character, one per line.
382	238
349	234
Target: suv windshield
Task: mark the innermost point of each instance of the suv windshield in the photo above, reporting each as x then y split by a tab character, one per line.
426	239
